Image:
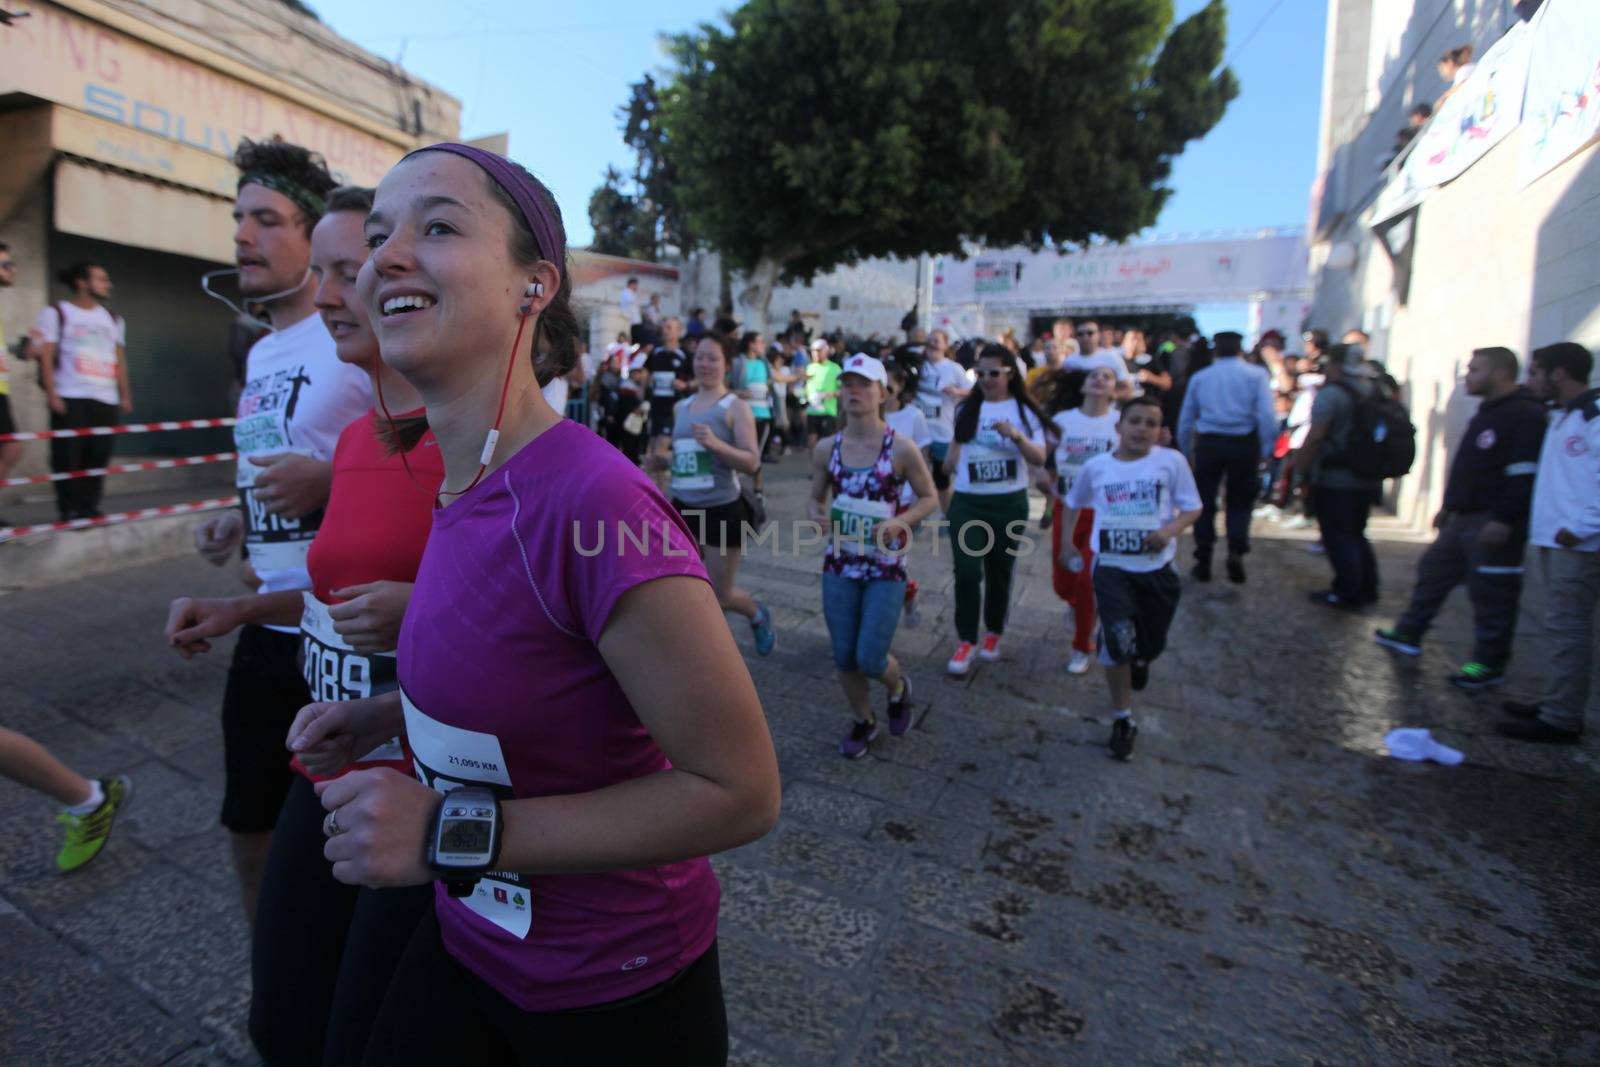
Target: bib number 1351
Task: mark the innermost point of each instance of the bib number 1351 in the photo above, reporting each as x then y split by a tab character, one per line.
1122	542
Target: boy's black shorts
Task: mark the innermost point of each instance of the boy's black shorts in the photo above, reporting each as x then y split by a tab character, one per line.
1136	610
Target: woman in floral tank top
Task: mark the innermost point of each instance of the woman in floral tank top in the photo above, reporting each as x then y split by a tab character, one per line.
862	468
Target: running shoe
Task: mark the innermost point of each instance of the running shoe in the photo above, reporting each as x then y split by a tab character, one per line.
990	650
1329	599
913	612
1202	570
900	710
1236	570
1399	640
1079	663
761	628
1123	733
855	743
961	661
1141	673
88	834
1299	522
1475	675
1267	511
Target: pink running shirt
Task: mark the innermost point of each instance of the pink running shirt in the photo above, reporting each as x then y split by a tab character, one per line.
504	687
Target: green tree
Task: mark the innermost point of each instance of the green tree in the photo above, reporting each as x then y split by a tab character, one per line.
813	133
622	227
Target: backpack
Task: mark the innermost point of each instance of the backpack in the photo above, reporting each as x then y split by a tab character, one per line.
1382	442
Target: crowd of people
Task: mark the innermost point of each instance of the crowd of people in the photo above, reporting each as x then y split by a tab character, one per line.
475	764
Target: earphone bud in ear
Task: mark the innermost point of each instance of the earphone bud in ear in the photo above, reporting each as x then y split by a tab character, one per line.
534	289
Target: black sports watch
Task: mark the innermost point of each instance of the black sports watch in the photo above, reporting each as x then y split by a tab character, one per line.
464	838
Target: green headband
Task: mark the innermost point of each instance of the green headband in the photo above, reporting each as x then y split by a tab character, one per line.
306	200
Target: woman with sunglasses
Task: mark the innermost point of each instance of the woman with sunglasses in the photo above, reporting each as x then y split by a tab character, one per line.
587	711
999	434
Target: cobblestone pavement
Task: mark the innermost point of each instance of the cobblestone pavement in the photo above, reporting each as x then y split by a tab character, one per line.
1261	885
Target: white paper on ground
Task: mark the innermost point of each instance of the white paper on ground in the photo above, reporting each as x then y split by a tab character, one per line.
1413	743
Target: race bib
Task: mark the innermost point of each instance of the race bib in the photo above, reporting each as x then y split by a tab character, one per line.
1127	538
691	465
661	382
930	407
274	543
447	758
855	523
986	464
89	367
335	671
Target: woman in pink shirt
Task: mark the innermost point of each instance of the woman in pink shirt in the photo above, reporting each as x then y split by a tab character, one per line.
563	658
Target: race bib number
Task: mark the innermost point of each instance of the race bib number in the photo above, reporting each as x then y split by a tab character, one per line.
1128	538
691	465
986	464
447	758
335	671
274	543
856	521
89	367
930	407
661	382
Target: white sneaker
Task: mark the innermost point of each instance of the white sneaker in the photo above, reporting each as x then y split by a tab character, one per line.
1299	522
1079	663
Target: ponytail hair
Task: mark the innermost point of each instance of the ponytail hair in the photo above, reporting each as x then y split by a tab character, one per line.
1059	390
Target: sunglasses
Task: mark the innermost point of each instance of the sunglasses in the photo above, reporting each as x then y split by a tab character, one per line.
6	264
994	372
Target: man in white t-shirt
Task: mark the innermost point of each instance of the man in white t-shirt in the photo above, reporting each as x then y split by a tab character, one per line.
942	385
297	398
83	365
631	307
1092	353
1143	497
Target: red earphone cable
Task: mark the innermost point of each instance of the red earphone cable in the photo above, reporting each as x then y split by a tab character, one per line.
494	431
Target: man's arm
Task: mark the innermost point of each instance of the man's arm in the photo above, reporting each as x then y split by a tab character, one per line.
1522	464
124	393
1187	416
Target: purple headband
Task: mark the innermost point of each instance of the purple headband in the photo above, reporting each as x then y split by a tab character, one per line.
521	190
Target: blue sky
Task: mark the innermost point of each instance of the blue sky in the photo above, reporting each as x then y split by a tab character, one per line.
553	77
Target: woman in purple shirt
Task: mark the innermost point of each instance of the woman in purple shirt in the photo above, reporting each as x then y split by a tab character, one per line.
563	655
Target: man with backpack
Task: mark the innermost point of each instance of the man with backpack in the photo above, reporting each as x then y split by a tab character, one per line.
1358	438
84	371
1483	525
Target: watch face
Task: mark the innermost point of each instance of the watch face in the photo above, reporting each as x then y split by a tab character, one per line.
464	836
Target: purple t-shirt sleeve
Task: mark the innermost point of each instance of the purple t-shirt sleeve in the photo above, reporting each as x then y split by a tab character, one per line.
626	535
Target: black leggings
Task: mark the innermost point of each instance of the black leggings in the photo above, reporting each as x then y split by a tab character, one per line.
323	951
439	1012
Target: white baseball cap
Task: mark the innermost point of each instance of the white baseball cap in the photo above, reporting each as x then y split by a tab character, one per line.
868	367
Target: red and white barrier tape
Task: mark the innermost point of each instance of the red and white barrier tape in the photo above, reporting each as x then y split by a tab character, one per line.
123	468
14	532
106	431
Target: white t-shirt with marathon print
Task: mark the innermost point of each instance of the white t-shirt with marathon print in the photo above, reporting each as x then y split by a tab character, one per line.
1132	498
909	422
1105	357
86	350
1083	437
298	397
990	464
938	407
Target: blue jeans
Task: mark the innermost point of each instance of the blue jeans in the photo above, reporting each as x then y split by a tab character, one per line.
862	617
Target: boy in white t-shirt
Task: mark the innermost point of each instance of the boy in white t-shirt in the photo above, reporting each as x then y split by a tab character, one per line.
1143	497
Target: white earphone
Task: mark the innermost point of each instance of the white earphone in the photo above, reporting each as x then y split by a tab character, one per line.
533	289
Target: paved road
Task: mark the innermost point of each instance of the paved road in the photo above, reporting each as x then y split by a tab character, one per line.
1261	885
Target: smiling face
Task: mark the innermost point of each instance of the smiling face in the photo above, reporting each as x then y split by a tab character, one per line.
270	247
994	376
440	285
338	248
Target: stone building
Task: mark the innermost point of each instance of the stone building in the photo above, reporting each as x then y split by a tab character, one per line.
1485	229
117	120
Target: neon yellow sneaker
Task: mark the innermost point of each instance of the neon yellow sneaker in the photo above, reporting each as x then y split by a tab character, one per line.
88	834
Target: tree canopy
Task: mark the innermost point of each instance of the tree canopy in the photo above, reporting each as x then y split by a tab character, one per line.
807	134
